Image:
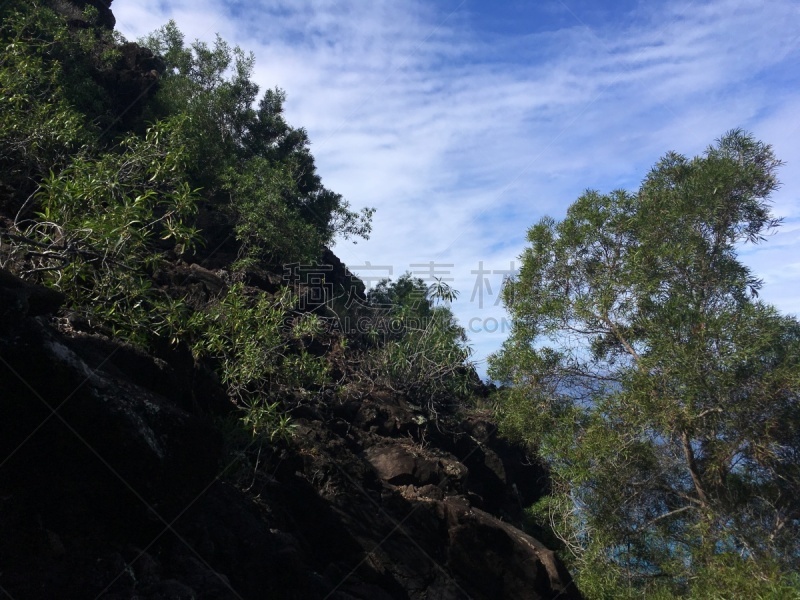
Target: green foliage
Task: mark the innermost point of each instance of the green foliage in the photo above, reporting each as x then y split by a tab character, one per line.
90	220
420	350
725	576
269	420
248	339
96	211
268	229
59	64
250	158
39	127
405	298
100	224
429	364
729	576
218	108
663	394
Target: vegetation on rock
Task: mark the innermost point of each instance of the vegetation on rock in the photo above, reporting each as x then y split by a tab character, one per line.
200	171
198	398
422	351
249	159
164	200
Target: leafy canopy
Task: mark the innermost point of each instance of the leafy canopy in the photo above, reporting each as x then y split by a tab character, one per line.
664	394
246	156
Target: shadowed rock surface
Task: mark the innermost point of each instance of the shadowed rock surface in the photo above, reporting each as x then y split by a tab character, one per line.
112	485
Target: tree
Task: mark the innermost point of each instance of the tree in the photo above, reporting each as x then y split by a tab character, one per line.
664	394
249	159
212	87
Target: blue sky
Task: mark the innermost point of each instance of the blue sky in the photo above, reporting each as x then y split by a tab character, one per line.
465	122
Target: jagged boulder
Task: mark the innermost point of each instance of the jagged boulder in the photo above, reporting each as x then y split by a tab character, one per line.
409	503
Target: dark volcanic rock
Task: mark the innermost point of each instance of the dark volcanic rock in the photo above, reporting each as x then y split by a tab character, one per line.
20	299
105	17
94	452
112	485
132	81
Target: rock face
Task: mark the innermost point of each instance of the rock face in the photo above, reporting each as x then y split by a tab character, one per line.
132	81
115	483
105	17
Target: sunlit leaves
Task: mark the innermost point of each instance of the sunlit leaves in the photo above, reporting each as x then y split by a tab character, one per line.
665	397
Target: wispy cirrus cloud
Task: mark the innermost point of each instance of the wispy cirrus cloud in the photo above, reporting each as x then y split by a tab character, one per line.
463	135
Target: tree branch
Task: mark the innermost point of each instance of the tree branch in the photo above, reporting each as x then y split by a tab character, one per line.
691	463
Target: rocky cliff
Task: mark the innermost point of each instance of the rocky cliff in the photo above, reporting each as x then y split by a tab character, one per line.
118	481
126	473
